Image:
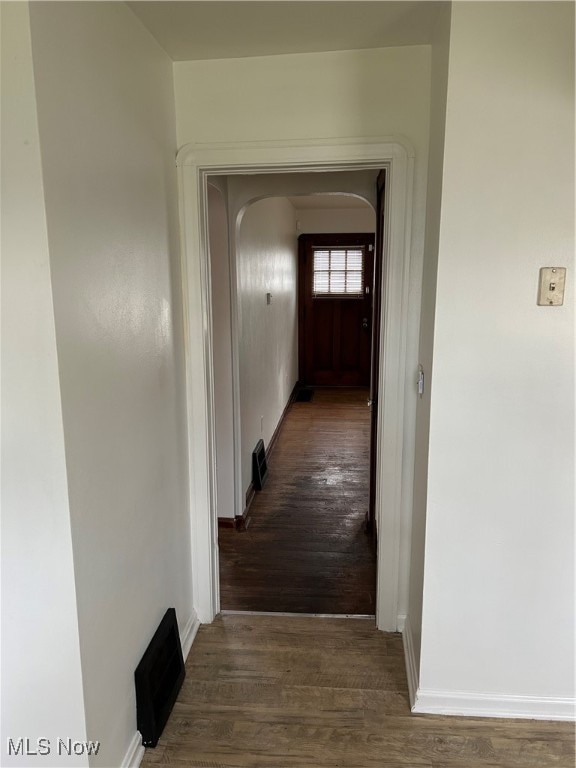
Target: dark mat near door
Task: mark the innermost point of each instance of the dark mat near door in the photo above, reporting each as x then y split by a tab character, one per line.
304	396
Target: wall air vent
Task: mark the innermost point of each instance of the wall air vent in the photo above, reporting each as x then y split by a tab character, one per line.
259	466
159	677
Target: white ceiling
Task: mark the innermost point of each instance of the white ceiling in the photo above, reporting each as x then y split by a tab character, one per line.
222	29
321	202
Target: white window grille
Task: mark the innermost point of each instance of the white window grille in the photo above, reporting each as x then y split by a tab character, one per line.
338	272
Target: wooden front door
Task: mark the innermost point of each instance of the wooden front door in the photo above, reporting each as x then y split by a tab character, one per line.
335	309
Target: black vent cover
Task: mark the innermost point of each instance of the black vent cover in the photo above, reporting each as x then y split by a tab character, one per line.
304	395
259	466
159	677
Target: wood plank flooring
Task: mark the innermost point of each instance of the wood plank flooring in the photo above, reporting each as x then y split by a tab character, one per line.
298	692
305	550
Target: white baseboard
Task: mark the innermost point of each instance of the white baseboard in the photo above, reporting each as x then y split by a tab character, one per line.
189	633
493	705
135	752
410	660
400	622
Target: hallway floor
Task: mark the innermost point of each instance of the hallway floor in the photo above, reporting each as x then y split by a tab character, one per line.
299	692
305	550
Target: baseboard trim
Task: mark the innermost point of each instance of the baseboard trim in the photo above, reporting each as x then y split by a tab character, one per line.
241	522
409	658
494	705
134	753
189	633
274	438
362	616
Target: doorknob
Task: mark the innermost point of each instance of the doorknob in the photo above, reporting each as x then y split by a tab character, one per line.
364	322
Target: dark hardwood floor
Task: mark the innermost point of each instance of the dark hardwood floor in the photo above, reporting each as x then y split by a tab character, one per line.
298	692
305	550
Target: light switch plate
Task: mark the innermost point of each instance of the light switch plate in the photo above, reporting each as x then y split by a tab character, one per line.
551	287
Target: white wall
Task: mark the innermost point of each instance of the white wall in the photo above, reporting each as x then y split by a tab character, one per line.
439	81
248	188
266	262
318	220
377	92
106	115
42	693
498	618
222	344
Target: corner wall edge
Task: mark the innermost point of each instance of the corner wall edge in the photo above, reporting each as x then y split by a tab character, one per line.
410	659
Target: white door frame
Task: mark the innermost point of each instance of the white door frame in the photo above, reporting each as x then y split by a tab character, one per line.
195	163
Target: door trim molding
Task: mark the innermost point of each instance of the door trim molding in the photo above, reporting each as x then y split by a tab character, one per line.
195	162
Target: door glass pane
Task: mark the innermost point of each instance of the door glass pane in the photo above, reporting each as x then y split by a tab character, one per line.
338	272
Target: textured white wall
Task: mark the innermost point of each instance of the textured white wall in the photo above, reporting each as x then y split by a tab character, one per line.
41	675
498	615
222	345
267	261
106	116
316	220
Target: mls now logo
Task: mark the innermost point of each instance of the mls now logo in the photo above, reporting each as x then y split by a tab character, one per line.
69	747
28	747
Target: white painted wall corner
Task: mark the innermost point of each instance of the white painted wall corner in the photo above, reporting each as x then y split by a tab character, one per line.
463	703
189	633
135	752
410	659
